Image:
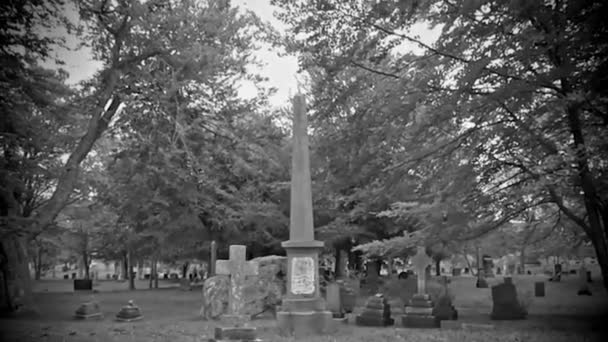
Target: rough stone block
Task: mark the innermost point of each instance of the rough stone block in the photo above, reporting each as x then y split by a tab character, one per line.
448	324
88	310
371	321
235	333
539	289
413	310
305	324
419	321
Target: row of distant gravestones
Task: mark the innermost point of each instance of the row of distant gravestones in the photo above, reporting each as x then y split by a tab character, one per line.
91	310
420	311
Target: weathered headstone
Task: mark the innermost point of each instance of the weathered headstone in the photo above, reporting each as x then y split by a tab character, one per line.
419	311
129	313
262	293
488	266
505	303
444	310
83	284
238	269
376	313
348	293
539	289
372	280
303	311
341	262
334	302
583	289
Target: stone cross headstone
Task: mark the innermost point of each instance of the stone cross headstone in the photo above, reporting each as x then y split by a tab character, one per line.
238	269
421	261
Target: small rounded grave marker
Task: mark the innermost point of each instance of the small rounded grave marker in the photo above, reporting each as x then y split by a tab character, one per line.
129	313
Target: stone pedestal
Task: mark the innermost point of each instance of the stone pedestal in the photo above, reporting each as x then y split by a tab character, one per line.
88	310
303	312
419	313
377	313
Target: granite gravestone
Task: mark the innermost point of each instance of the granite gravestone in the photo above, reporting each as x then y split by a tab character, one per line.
334	302
419	311
303	312
376	313
506	306
539	289
348	294
583	289
444	310
83	284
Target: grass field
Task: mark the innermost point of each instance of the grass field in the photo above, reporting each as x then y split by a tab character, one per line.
172	315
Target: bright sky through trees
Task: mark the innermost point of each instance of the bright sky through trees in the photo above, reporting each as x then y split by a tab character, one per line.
280	70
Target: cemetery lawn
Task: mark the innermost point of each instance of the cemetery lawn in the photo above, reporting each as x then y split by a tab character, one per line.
172	315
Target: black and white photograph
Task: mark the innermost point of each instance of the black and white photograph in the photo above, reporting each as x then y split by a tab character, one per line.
303	170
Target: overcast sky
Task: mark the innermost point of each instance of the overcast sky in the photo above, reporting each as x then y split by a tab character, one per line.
281	71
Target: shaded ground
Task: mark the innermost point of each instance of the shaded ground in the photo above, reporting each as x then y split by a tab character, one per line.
172	315
61	285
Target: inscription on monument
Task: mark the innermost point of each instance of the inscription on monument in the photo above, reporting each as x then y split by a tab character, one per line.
302	275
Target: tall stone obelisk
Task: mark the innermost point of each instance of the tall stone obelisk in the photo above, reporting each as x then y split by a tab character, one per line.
303	311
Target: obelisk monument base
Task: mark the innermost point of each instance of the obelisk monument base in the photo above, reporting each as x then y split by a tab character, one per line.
304	312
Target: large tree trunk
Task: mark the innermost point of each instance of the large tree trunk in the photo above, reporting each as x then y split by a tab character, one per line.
522	259
151	280
38	264
155	273
185	269
438	267
130	271
16	274
596	230
19	284
340	266
140	269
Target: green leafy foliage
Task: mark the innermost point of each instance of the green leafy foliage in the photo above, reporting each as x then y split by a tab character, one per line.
509	93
